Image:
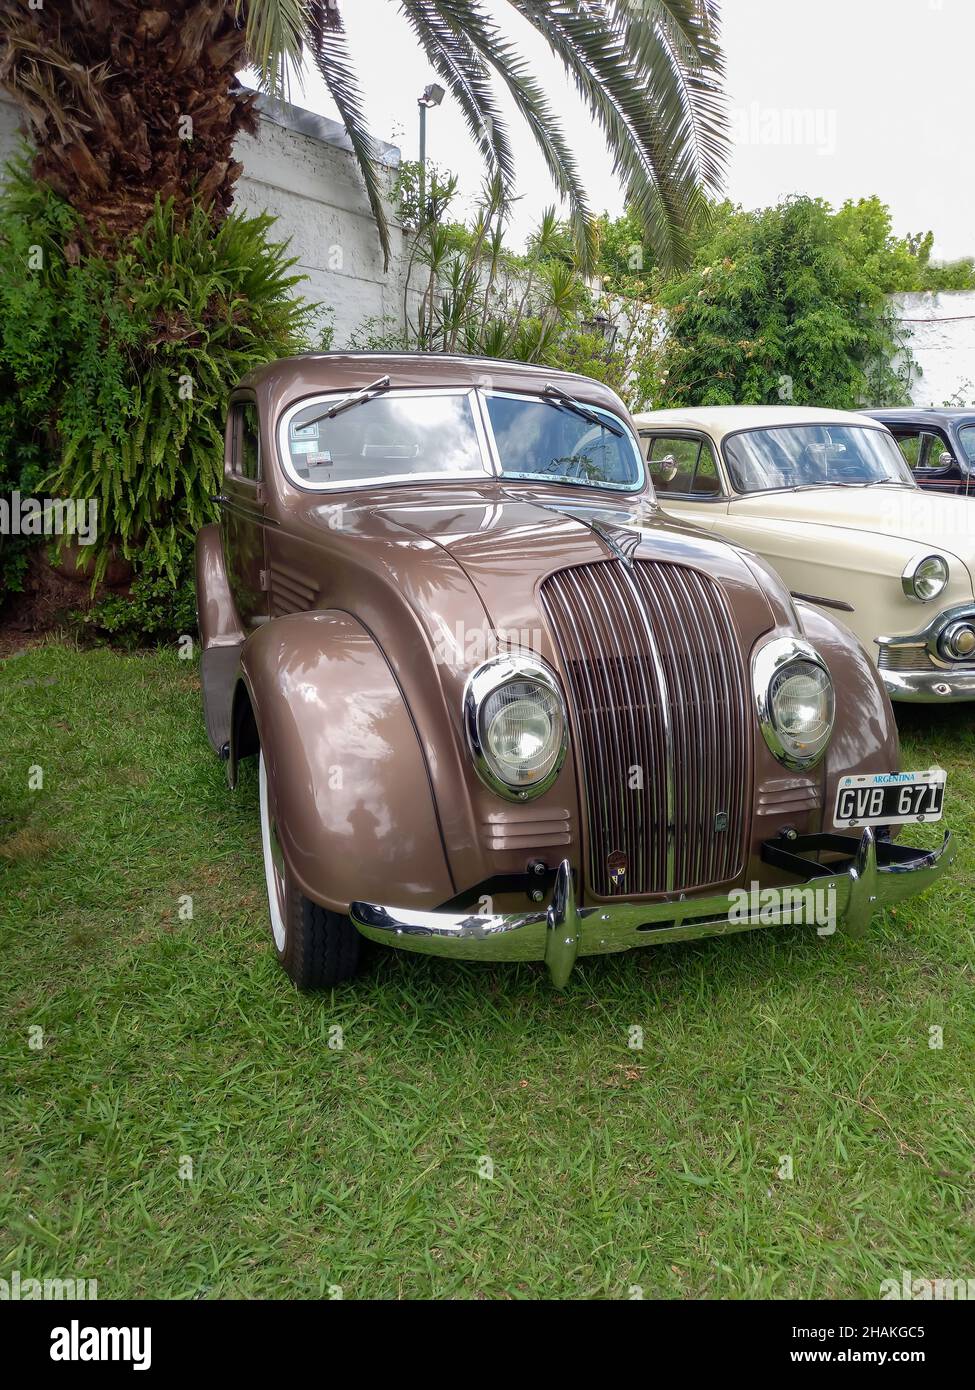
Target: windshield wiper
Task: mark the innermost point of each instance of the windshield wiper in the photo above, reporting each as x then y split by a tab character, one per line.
568	402
347	402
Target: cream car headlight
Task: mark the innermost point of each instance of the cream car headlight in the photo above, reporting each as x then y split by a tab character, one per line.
515	721
925	577
796	705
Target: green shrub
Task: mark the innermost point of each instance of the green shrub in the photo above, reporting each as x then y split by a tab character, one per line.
116	373
785	305
160	605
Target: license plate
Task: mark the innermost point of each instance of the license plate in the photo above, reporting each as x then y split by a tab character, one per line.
890	798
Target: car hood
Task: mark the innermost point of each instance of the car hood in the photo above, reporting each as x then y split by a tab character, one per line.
908	514
507	545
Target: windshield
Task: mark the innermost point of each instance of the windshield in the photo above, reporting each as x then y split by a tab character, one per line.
787	456
395	437
439	434
550	441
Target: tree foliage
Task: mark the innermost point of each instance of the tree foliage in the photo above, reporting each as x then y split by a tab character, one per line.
129	101
788	304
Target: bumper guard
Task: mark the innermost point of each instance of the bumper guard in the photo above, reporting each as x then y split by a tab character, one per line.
873	874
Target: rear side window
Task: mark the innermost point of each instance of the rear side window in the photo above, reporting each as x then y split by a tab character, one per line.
245	441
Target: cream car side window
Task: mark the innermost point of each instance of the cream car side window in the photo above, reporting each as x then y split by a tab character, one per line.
683	467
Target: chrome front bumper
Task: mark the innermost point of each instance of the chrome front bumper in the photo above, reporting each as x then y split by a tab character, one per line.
874	875
929	687
925	677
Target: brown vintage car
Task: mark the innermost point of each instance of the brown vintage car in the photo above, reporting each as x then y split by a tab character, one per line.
504	707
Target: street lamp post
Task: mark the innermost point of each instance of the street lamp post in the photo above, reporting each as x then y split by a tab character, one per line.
602	327
432	95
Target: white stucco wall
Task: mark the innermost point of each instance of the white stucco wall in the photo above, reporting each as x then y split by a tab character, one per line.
299	168
940	332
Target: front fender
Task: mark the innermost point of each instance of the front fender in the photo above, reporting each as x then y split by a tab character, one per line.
865	732
349	787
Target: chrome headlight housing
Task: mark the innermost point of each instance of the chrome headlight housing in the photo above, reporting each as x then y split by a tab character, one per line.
796	705
925	577
516	726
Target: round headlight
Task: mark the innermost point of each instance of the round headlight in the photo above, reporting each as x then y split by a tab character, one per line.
796	705
925	577
516	726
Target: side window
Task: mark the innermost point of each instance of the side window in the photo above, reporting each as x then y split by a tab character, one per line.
910	447
935	451
245	438
683	467
922	449
672	462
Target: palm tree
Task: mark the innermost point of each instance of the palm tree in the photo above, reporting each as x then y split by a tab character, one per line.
129	99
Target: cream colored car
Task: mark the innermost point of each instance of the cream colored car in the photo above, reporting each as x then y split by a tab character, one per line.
826	498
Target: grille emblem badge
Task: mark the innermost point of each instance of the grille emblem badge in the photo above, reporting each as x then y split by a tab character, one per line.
616	864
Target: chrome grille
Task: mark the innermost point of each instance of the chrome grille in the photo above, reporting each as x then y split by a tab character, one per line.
905	658
662	722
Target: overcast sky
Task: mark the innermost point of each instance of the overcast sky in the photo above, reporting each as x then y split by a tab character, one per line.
834	98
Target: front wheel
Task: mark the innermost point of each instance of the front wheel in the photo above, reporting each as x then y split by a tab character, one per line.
317	948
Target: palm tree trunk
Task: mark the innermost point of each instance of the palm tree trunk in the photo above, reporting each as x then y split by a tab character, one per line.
125	101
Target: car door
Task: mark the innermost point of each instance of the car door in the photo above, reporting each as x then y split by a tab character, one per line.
925	450
242	513
685	474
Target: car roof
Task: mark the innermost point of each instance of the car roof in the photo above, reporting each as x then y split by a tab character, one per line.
720	420
288	377
923	415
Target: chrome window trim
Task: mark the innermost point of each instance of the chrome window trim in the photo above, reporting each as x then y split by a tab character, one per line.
482	682
911	569
385	479
779	652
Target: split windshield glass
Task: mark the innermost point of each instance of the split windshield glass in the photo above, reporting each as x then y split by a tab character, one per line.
441	434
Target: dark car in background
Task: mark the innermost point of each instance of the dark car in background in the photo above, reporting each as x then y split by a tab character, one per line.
939	445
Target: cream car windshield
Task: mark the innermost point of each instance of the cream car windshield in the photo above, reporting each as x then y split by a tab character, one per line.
562	441
800	456
391	437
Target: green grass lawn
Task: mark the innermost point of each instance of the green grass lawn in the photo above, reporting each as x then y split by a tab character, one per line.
316	1166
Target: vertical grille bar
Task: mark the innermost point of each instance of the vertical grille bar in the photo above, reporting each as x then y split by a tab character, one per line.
661	716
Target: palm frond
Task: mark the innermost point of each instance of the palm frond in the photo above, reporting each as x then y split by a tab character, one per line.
468	80
469	17
660	115
328	48
275	32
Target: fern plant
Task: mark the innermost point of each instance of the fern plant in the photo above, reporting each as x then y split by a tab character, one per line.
117	372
